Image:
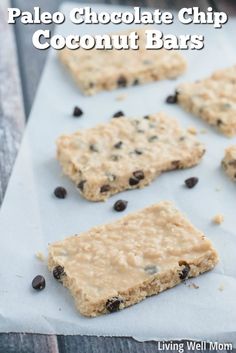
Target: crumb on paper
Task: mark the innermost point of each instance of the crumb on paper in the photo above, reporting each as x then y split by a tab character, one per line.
193	285
221	287
218	219
192	130
40	256
203	131
121	97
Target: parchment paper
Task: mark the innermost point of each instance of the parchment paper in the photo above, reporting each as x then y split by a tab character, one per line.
31	217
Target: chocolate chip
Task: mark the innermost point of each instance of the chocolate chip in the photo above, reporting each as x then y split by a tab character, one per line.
105	188
118	114
232	163
146	117
39	282
93	148
133	181
60	192
58	272
182	138
191	182
80	186
224	165
185	271
152	138
138	152
219	122
113	304
176	164
151	269
172	99
118	144
140	131
115	157
136	82
122	82
77	112
91	84
138	174
120	205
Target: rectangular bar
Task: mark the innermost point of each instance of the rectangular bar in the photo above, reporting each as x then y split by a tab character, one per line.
119	264
212	99
229	162
125	154
97	70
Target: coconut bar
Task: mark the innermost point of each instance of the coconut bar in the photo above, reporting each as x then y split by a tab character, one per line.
229	162
212	99
117	265
97	70
125	154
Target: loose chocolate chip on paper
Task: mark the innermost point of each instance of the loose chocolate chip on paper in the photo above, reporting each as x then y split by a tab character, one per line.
172	99
58	272
120	205
136	82
138	174
191	182
60	192
80	186
77	112
39	282
122	81
113	304
118	114
105	188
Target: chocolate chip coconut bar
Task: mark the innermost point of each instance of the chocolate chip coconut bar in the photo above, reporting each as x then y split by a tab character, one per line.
229	162
98	70
117	265
213	99
125	154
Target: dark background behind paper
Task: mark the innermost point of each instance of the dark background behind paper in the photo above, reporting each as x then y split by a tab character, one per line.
25	75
